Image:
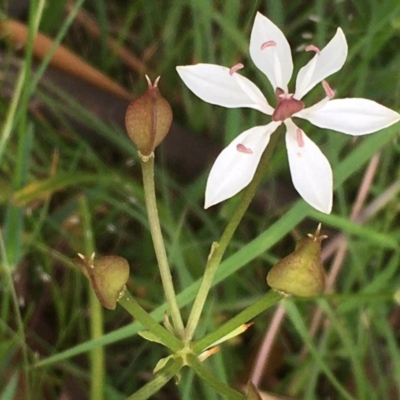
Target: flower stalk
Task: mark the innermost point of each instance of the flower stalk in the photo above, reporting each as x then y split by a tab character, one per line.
268	300
218	250
136	310
147	163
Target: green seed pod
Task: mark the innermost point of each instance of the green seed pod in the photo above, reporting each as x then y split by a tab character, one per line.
108	276
301	273
148	119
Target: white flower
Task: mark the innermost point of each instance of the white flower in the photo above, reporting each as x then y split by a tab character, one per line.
311	173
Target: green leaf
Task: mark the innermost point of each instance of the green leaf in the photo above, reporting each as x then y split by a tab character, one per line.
162	363
150	336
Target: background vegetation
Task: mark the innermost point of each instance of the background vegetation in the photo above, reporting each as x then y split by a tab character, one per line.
70	182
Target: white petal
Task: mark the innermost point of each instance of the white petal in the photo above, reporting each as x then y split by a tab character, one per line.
352	116
233	170
274	61
327	62
311	172
214	84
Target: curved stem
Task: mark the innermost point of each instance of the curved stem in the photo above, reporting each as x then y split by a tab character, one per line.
266	301
158	242
135	309
218	249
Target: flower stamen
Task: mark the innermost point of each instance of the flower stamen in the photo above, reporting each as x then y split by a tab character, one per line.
241	148
236	68
299	137
314	48
270	43
330	93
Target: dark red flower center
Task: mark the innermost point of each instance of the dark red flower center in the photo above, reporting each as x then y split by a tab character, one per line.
286	106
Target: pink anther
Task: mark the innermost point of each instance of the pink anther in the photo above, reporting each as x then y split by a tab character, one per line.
243	149
330	93
270	43
311	47
235	68
299	137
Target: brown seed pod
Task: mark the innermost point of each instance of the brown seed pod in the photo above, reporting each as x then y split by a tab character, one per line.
148	119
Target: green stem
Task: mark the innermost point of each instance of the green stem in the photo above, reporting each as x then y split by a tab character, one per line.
136	310
218	249
96	355
158	242
158	382
209	377
97	371
266	301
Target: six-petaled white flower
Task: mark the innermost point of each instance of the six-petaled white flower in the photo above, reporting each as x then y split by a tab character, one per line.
311	172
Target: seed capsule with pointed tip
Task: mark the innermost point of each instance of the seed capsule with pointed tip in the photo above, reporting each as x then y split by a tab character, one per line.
148	119
301	273
108	276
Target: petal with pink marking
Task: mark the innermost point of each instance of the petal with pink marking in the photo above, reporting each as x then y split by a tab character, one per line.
310	169
216	85
234	168
351	116
274	61
330	59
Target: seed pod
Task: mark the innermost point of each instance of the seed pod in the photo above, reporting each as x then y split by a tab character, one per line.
148	119
301	273
108	276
